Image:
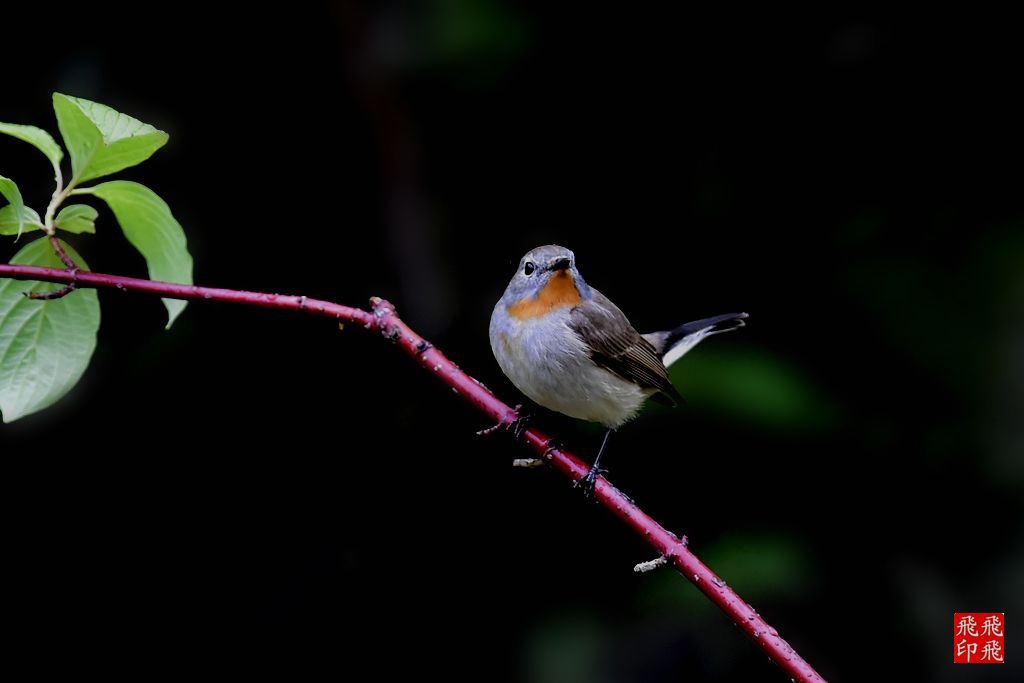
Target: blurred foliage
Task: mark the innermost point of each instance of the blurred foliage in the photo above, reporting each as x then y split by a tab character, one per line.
941	300
753	386
566	649
471	34
470	41
760	567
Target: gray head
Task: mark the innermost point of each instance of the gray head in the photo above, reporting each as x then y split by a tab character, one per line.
550	264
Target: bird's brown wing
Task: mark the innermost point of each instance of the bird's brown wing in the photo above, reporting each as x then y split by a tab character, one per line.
615	345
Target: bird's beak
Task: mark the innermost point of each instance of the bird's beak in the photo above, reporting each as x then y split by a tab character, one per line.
560	264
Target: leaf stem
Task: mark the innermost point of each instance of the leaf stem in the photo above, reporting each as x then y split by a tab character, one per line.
59	195
64	258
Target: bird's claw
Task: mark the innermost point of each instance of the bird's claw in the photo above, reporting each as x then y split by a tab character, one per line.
587	482
517	425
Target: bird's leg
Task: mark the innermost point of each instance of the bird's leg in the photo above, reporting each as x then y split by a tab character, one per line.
587	481
516	425
521	422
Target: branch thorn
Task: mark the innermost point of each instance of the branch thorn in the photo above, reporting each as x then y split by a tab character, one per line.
528	462
650	565
56	294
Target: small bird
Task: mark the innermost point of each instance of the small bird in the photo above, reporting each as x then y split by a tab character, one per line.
571	350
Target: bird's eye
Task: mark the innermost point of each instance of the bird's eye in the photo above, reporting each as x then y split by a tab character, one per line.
529	268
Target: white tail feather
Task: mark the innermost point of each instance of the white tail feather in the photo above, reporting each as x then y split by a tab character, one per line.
685	344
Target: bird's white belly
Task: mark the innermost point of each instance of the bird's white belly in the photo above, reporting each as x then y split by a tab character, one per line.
549	363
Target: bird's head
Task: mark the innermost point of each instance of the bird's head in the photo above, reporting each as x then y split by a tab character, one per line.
546	280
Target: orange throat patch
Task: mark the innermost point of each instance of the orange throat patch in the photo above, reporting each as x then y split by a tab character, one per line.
559	292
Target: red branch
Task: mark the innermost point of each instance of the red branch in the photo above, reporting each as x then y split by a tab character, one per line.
384	320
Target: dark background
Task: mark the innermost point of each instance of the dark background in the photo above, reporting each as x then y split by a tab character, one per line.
255	489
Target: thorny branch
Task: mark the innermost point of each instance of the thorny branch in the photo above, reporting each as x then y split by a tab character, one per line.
383	319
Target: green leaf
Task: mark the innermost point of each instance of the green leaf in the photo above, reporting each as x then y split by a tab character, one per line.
100	140
10	190
9	220
45	346
77	218
38	138
148	224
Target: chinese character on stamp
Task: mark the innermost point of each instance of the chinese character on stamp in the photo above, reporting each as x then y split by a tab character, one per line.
978	637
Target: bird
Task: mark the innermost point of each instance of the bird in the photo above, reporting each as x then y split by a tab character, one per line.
568	348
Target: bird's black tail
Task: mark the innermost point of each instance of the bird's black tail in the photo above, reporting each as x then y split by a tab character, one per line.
673	344
712	325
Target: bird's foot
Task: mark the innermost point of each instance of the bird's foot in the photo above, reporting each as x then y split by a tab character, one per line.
516	424
587	482
520	423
